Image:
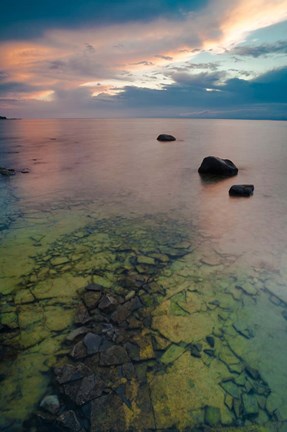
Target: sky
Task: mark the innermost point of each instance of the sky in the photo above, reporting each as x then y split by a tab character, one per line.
151	58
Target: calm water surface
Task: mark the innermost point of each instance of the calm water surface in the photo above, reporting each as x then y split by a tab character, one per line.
106	203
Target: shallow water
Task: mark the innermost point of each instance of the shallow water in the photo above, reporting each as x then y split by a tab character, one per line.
104	202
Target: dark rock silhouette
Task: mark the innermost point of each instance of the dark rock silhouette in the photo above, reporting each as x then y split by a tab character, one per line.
7	171
165	137
3	118
216	166
241	190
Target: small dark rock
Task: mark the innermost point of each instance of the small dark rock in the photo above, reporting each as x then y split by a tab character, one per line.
195	350
91	299
250	405
69	372
76	332
69	420
133	351
94	287
108	304
7	171
25	171
209	352
51	404
128	370
241	190
82	315
121	313
216	166
90	388
253	373
165	137
79	351
92	343
115	355
210	340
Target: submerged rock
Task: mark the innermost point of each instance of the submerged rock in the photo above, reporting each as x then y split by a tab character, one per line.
108	304
241	190
51	404
7	171
115	355
250	405
69	420
212	416
93	342
216	166
166	137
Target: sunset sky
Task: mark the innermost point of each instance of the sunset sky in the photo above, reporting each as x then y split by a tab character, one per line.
152	58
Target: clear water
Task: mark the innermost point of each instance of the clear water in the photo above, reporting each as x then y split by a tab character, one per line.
101	193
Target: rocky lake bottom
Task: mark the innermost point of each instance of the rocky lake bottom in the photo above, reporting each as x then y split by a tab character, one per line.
136	324
135	294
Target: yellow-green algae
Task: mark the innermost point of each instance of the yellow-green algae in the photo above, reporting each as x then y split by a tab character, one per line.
204	293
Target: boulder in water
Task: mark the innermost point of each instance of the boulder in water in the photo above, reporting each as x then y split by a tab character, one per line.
217	166
241	190
7	171
165	137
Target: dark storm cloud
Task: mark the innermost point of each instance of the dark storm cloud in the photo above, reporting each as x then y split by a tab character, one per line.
16	87
279	47
233	96
30	18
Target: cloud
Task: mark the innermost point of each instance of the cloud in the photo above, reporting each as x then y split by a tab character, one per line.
34	19
110	49
279	47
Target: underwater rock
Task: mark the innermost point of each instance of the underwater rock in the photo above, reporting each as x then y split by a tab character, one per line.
231	388
243	330
253	373
7	171
217	166
79	351
121	313
241	190
51	404
82	315
166	137
115	355
210	340
59	261
70	372
250	405
108	304
85	390
172	353
212	416
94	287
69	420
107	414
93	343
91	299
247	288
75	333
195	350
143	259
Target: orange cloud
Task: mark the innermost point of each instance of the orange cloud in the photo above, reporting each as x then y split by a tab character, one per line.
132	53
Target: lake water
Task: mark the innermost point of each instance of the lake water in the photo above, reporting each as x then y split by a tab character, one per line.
194	334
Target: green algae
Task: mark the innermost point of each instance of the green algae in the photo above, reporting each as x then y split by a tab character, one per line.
188	300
